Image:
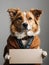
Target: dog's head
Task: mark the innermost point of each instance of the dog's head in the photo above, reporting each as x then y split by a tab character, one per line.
26	23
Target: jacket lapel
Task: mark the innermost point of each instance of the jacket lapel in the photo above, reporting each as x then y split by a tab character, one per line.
27	46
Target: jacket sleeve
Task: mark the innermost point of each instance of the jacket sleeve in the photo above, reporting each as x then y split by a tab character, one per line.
5	51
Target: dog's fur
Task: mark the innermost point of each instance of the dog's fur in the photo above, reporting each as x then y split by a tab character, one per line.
23	24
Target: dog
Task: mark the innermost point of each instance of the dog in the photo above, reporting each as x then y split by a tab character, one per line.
24	28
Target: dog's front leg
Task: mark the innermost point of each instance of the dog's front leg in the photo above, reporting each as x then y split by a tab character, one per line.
6	53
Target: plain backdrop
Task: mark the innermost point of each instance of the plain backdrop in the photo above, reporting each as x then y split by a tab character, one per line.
24	5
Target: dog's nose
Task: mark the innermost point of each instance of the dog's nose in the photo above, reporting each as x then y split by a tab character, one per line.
25	25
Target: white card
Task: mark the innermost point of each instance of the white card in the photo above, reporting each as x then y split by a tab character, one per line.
25	56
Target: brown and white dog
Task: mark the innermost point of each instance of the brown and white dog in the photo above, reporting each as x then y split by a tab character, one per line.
24	28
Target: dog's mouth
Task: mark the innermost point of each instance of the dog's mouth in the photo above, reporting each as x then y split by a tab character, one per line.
25	30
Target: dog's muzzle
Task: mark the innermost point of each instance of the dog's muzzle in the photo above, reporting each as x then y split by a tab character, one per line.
25	25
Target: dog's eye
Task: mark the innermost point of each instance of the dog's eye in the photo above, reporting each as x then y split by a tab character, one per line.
30	18
14	13
20	18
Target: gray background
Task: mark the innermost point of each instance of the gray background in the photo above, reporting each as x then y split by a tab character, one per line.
24	5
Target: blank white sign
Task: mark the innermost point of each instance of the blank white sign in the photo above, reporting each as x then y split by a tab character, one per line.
25	56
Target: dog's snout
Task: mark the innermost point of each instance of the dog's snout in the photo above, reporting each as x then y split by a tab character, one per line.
25	25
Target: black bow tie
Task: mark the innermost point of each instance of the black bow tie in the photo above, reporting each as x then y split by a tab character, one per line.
27	46
26	38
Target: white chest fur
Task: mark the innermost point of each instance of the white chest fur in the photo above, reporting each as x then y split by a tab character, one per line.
24	42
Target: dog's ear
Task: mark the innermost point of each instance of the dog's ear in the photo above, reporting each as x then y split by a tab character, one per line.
36	13
13	11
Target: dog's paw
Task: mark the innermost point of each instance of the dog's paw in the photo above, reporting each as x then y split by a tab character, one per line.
44	54
7	56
